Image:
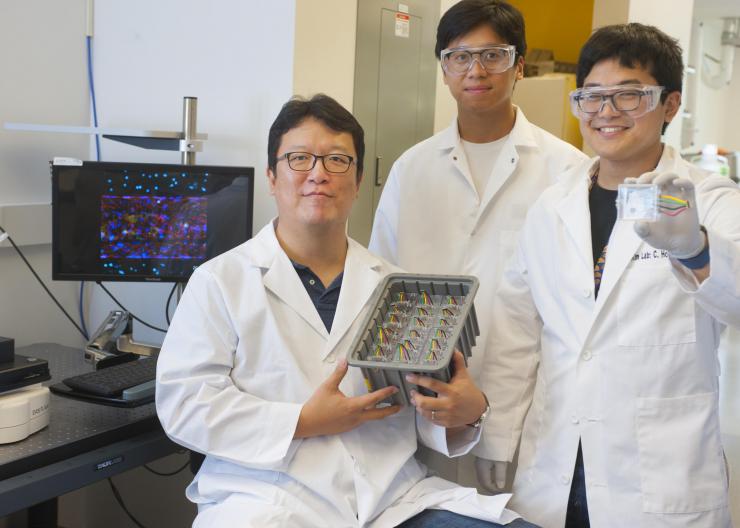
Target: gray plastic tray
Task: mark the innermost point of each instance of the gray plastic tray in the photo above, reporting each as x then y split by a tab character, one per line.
416	323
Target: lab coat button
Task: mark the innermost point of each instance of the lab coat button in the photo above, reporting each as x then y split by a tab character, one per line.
587	292
565	479
574	419
311	282
586	355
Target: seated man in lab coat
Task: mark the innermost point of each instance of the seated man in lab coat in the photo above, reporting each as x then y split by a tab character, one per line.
604	335
253	371
455	202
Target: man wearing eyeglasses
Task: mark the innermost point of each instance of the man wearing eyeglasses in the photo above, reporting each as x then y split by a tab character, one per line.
603	342
253	374
455	202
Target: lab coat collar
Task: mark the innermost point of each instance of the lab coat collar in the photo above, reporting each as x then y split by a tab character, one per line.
281	278
361	275
574	212
520	136
671	161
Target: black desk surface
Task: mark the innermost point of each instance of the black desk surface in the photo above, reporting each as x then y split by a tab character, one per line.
76	429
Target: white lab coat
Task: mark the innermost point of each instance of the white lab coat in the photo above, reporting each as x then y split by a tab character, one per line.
430	219
245	350
632	373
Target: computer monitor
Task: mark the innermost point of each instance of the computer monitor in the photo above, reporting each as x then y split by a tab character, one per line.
144	221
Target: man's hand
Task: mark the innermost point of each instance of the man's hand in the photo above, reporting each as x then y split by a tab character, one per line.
491	474
458	402
329	411
677	228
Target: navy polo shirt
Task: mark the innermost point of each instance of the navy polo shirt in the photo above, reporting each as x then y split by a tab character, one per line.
324	299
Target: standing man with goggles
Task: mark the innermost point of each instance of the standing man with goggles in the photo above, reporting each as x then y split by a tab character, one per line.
455	202
603	342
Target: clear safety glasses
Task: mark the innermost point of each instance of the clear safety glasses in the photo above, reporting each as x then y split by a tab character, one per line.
493	59
634	100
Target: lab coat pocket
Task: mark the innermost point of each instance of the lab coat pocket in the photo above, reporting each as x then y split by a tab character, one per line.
652	309
682	468
506	241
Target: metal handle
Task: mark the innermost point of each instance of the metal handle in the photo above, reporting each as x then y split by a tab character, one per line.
378	183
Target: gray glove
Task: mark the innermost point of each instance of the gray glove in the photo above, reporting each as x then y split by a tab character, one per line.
491	474
677	228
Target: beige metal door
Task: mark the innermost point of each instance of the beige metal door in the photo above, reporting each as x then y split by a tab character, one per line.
395	75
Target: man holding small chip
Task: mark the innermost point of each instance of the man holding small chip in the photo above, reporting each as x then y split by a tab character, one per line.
602	356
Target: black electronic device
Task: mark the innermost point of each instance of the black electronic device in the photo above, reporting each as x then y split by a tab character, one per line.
22	371
7	349
143	221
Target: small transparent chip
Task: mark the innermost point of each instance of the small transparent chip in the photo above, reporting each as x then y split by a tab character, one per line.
637	201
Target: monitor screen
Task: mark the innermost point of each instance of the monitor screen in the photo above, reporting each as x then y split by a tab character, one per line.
144	221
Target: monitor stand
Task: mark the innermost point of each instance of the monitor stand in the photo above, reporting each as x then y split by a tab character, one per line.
113	342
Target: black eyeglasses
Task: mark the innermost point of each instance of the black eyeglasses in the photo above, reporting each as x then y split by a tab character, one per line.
305	161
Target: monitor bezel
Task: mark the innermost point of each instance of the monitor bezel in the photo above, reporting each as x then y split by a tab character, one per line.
58	275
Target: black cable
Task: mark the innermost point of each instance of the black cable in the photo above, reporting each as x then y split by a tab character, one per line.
163	474
167	306
118	497
20	253
163	330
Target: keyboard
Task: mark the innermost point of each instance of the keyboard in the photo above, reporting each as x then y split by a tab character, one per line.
132	380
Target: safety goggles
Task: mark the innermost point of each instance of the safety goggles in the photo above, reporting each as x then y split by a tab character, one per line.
635	100
493	59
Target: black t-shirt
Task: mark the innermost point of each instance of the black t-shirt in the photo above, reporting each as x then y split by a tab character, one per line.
603	206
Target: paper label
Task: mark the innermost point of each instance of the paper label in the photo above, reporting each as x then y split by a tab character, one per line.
402	25
67	161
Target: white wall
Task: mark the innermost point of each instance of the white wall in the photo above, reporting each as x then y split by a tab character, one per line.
235	56
325	34
678	25
445	107
43	80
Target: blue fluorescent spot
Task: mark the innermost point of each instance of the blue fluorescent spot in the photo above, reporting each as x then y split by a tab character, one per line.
125	177
203	189
110	189
120	272
110	181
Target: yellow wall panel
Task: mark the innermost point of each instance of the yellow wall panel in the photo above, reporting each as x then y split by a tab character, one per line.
562	26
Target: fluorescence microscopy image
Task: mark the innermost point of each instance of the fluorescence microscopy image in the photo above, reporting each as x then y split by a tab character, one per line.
153	227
